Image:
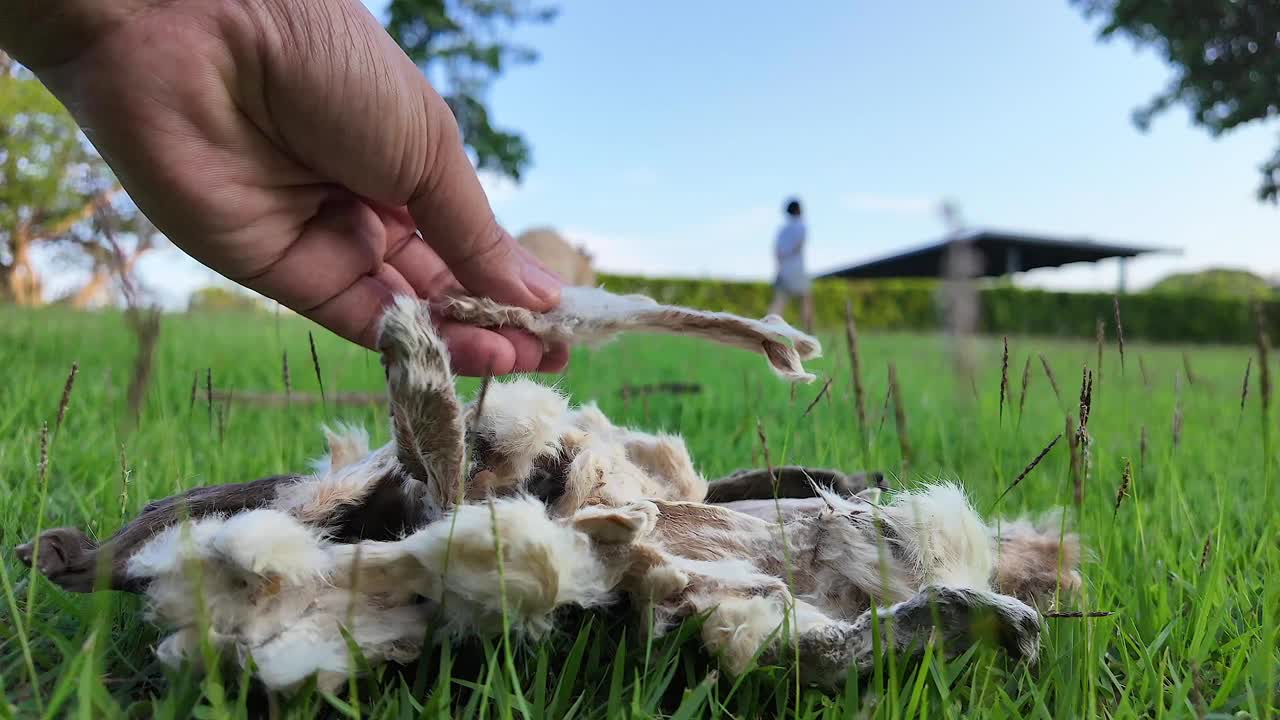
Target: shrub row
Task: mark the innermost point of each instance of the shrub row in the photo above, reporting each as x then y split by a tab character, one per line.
918	305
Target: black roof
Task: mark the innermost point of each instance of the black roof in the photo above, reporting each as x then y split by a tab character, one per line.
993	248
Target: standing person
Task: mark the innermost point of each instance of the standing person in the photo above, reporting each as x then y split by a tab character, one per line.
792	279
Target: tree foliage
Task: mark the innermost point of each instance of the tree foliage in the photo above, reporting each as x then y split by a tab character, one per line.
466	44
1216	282
47	175
222	298
60	201
1225	56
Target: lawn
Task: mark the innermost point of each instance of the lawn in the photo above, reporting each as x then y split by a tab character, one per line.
1188	564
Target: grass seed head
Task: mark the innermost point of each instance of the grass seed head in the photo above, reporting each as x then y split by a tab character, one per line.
195	386
1004	376
1086	400
1244	387
124	481
1030	466
315	362
1053	381
1115	302
284	374
1026	380
1126	479
42	465
66	396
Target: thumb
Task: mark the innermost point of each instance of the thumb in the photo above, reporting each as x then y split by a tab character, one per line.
453	214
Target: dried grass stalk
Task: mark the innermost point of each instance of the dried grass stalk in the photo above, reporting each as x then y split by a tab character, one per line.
1115	303
1244	387
146	328
855	366
1177	409
900	419
1142	367
195	385
1186	367
1053	381
884	410
1078	614
222	422
1073	443
270	399
1101	329
1204	553
662	388
1142	447
764	448
817	398
1264	364
208	393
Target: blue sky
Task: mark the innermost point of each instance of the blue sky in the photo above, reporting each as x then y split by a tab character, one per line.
667	134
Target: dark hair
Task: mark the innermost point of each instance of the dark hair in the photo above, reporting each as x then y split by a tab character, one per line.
793	207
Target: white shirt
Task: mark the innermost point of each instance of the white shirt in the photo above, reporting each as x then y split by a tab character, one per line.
789	249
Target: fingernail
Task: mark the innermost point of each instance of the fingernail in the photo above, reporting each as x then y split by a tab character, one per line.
542	284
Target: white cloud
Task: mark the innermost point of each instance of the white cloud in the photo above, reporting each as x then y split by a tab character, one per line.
735	245
500	189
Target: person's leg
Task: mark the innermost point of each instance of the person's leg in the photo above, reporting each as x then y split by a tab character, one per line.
807	311
779	304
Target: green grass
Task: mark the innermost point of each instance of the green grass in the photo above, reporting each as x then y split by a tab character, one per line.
1185	639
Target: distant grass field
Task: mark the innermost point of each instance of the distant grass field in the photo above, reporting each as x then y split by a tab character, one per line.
1189	563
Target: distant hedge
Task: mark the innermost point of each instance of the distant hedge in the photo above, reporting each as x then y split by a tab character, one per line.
915	305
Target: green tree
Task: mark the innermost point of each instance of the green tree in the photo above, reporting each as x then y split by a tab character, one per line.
222	298
1216	282
49	178
1225	56
464	45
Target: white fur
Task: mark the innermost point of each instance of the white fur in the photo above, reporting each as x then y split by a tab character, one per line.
347	444
523	420
948	542
316	499
269	543
276	591
594	316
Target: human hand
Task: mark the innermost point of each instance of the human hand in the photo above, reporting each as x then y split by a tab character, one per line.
291	146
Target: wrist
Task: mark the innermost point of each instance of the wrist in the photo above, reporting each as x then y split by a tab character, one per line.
45	33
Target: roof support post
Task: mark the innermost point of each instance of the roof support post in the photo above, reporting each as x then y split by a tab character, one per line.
1012	259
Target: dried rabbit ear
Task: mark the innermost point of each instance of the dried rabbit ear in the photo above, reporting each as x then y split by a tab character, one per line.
591	316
